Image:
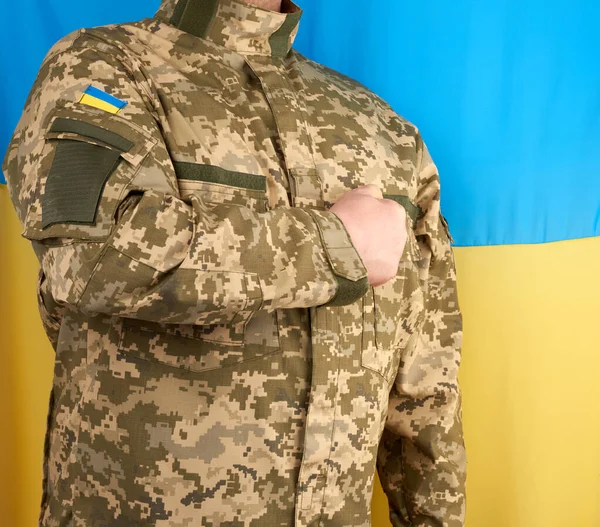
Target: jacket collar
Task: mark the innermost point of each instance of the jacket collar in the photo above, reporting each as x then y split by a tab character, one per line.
236	25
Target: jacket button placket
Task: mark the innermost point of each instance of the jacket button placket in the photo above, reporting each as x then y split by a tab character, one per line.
306	191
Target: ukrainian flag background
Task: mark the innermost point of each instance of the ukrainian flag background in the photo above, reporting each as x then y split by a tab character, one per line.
507	96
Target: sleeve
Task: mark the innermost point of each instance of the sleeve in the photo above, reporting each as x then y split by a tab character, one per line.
97	195
421	459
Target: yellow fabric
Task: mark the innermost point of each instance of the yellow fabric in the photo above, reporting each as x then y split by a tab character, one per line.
530	379
90	100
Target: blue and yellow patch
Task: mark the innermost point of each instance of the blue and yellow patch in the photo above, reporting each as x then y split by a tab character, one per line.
102	100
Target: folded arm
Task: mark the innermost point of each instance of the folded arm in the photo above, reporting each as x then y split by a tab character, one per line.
98	196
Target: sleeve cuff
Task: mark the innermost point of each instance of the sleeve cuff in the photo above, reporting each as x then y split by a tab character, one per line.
348	268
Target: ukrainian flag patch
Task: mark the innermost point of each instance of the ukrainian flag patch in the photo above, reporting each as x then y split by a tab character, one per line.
100	99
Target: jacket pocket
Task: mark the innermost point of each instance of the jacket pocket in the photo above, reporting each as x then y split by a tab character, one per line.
392	312
251	334
215	184
83	148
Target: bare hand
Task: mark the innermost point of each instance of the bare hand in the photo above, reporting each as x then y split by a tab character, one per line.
377	227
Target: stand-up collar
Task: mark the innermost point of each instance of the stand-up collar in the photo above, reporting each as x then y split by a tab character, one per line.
238	26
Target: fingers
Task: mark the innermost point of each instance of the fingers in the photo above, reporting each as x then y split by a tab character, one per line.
371	190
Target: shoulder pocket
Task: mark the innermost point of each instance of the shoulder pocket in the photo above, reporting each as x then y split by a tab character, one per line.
88	158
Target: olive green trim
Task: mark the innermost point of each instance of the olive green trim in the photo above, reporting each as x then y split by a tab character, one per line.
178	12
75	181
63	124
216	174
195	16
280	40
413	211
348	291
444	222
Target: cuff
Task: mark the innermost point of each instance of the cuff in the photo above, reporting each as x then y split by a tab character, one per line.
347	266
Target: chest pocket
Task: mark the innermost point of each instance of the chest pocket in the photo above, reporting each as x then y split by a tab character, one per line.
200	348
392	312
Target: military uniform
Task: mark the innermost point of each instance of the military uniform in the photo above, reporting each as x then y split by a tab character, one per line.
221	359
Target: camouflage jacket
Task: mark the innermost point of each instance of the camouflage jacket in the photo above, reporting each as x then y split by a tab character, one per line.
221	359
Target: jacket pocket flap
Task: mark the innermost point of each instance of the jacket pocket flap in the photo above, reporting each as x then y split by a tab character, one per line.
71	120
249	336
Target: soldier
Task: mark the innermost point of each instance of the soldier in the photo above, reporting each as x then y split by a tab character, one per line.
246	277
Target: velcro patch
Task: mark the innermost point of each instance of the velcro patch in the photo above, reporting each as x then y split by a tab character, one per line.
75	182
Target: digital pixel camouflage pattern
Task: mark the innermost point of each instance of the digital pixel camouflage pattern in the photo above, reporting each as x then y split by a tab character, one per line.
220	357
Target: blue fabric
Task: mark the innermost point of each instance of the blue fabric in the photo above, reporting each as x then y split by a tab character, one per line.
506	94
30	27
